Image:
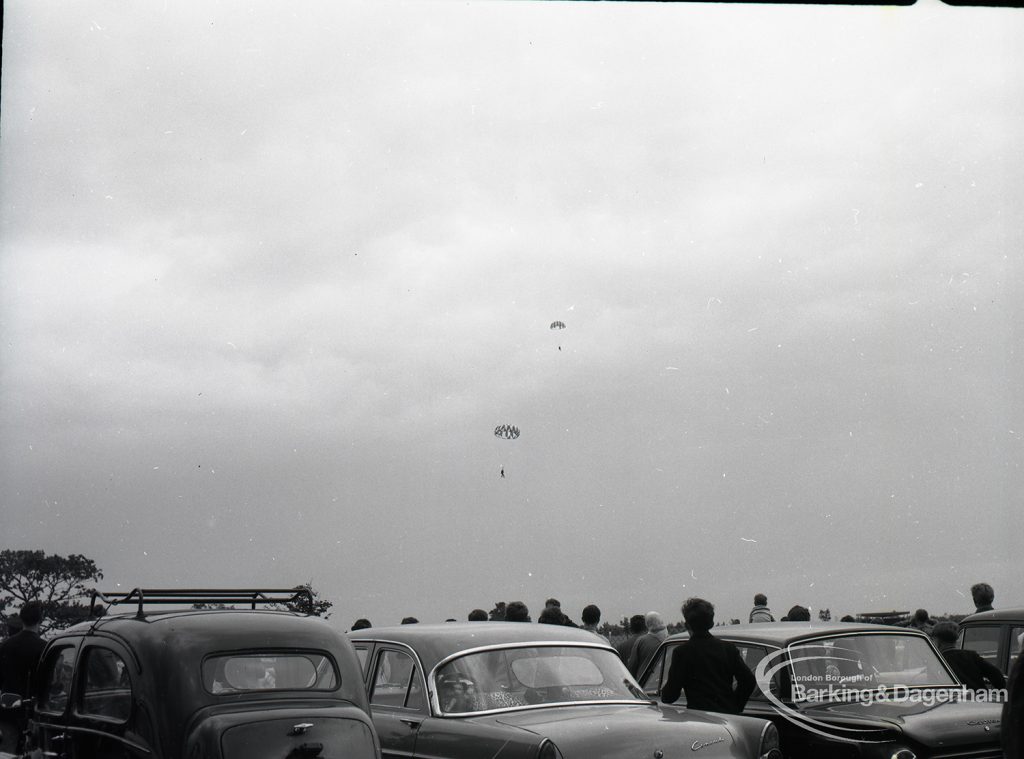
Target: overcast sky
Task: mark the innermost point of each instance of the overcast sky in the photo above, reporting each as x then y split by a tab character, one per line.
272	273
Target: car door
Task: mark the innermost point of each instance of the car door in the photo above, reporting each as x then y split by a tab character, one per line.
53	698
102	721
398	700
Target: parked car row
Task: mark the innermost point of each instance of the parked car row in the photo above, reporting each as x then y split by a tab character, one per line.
219	683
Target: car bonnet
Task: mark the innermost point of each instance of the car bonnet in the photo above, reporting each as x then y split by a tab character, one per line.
615	730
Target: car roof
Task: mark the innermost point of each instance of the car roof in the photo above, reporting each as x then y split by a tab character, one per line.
996	615
435	642
783	633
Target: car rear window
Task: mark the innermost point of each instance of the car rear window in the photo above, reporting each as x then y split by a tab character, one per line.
269	671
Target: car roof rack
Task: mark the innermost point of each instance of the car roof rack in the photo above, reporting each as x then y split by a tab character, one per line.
301	596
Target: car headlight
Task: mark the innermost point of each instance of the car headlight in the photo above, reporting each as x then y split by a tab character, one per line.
769	748
903	753
549	750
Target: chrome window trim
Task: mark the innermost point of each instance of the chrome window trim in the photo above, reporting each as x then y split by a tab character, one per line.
435	704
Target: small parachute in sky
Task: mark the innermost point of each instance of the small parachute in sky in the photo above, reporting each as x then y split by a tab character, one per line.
557	325
506	431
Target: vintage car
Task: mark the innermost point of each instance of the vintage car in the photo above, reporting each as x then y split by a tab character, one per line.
853	690
512	690
997	635
221	683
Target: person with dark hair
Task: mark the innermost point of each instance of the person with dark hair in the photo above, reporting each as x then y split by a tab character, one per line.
410	621
19	654
798	614
591	616
983	596
637	628
647	645
477	615
517	612
761	612
557	605
968	666
551	615
361	624
921	621
704	667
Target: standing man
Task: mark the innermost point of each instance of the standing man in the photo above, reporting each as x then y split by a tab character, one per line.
637	628
704	667
647	645
19	654
591	618
983	596
761	612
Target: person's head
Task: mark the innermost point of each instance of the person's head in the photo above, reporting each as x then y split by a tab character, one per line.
760	600
921	616
698	614
553	602
982	594
410	621
361	624
517	612
591	615
478	615
551	616
637	624
31	614
944	634
654	622
799	614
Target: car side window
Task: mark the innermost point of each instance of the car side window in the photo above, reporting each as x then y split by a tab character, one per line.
59	668
362	652
984	640
752	656
395	673
107	691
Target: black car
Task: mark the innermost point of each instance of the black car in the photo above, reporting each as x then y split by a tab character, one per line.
528	691
219	683
854	690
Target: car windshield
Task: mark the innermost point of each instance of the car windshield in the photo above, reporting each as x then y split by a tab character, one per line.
230	673
509	678
867	662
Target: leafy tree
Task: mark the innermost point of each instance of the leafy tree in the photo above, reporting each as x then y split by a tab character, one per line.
320	608
824	615
59	583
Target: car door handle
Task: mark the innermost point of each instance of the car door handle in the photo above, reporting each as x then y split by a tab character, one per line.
410	721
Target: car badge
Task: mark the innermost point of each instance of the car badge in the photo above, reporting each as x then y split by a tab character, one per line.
698	745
